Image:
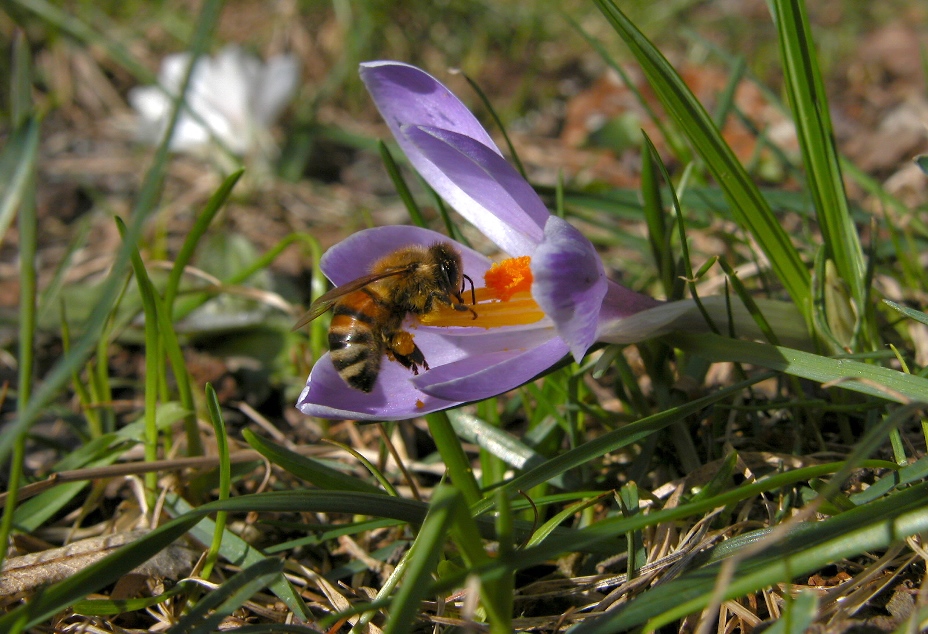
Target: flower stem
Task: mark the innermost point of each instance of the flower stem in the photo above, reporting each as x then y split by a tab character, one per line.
449	446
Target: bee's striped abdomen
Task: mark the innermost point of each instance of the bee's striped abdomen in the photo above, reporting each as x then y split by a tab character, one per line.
356	344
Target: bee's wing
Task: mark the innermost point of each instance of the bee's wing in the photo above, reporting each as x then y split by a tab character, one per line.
325	302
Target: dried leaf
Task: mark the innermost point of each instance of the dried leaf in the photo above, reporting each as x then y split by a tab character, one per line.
21	574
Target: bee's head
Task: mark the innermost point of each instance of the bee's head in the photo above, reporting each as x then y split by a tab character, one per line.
448	260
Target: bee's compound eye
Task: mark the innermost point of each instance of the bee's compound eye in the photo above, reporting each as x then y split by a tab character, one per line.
449	264
448	273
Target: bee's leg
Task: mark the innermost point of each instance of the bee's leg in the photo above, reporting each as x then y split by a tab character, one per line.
404	349
460	306
451	299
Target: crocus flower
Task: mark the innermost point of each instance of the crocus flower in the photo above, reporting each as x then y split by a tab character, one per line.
549	298
235	98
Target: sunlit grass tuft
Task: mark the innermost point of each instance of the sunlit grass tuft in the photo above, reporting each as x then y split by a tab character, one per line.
695	481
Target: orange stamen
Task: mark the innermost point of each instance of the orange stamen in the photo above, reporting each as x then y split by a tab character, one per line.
509	277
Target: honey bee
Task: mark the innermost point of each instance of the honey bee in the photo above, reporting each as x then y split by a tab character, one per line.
368	312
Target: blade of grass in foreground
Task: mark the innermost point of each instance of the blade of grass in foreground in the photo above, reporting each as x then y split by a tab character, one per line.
748	205
306	468
606	534
235	549
64	594
866	378
422	564
610	442
214	607
809	103
812	546
456	461
225	477
448	517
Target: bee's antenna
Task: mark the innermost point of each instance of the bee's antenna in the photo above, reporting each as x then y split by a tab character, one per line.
473	293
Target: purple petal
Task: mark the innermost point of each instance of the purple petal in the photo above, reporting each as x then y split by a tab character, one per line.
482	187
619	306
444	346
659	320
397	395
351	258
481	376
569	284
455	155
394	396
406	95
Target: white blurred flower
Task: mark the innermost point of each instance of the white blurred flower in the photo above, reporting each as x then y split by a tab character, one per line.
235	96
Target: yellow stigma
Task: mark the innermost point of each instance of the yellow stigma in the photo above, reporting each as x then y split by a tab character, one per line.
504	300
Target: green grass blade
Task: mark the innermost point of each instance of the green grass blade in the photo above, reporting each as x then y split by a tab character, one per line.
17	165
749	208
163	338
809	102
112	607
384	481
306	468
22	197
609	442
21	108
225	476
147	200
606	534
500	444
153	363
34	512
556	520
19	194
233	548
911	313
852	375
399	183
65	593
202	223
655	160
817	544
171	346
424	559
228	597
659	235
452	453
353	503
